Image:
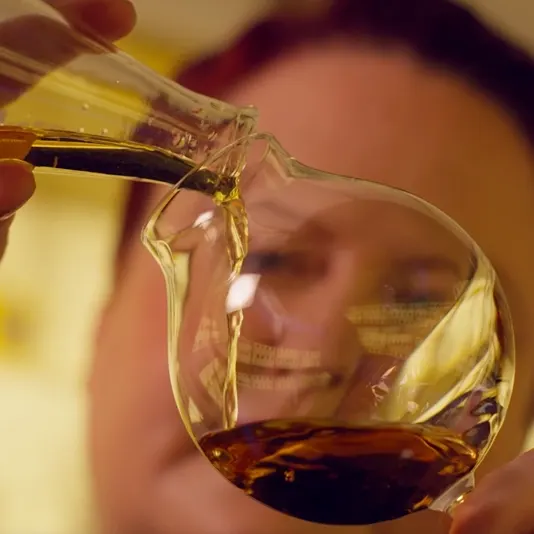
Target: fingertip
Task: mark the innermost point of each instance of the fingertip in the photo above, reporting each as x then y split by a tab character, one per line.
17	185
110	19
469	518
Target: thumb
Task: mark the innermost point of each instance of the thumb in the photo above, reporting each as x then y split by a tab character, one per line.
17	185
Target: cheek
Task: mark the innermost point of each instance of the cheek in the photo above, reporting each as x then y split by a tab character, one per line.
135	426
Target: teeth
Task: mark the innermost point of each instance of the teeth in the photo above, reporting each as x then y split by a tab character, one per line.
207	334
213	375
256	354
395	344
398	315
282	383
269	357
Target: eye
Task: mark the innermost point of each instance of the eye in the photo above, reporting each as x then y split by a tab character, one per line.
264	262
422	287
414	297
303	265
403	296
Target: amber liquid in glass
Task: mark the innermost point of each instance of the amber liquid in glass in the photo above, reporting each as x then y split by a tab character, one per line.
96	154
81	152
339	475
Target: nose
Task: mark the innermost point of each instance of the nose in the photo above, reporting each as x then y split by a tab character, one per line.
300	354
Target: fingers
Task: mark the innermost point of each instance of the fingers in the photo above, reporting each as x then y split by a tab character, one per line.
30	48
110	19
16	187
34	45
503	503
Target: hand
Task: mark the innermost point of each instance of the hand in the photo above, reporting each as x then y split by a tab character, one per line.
503	503
110	19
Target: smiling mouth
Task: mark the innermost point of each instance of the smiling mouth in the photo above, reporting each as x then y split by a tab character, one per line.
265	367
266	378
253	377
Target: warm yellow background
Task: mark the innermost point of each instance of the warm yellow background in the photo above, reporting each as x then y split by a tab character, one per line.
52	284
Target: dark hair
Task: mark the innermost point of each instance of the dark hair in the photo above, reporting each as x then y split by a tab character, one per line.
439	32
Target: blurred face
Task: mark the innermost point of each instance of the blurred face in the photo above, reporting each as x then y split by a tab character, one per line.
392	120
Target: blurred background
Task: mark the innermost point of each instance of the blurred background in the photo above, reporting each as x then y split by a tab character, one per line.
46	333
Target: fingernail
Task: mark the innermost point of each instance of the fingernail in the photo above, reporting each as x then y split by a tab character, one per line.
17	185
7	216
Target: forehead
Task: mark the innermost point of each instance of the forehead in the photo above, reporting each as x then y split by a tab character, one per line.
383	116
380	114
